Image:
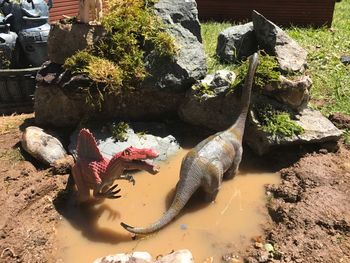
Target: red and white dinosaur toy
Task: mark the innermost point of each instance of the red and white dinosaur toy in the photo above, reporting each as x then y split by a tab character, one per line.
93	171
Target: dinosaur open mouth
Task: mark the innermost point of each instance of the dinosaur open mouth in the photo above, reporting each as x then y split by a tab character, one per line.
145	161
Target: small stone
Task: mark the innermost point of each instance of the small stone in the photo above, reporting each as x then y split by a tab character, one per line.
209	260
236	43
223	78
268	247
180	256
345	59
258	245
264	257
183	227
323	151
135	257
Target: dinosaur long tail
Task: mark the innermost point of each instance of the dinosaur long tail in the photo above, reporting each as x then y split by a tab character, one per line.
184	190
239	125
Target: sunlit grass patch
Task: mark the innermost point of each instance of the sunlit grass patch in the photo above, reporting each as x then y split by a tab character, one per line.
331	79
11	123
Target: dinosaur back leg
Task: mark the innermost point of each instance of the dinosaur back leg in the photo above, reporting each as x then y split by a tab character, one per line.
212	180
232	171
83	189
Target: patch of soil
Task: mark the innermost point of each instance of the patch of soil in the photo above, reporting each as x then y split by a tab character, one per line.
342	121
309	213
28	217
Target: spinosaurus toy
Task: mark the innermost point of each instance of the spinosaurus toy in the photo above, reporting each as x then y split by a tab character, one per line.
208	162
93	171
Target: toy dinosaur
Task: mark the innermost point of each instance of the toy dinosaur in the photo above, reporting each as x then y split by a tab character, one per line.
93	171
205	165
90	6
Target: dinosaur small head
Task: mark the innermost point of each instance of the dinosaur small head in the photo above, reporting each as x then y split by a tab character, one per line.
132	153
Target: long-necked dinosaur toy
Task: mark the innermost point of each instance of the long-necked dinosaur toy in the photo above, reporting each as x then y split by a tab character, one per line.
207	163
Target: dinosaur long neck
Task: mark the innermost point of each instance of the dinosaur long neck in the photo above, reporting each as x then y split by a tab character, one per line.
238	127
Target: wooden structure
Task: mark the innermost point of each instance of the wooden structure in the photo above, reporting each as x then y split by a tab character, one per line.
282	12
63	7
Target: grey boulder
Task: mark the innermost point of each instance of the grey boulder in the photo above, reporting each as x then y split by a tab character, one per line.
66	39
42	146
218	107
179	256
290	55
317	130
294	93
236	43
140	135
183	12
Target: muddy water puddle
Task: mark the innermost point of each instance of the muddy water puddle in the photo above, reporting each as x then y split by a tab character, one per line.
208	230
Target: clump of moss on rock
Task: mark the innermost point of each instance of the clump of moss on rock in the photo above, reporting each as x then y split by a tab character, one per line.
133	30
120	131
267	72
276	122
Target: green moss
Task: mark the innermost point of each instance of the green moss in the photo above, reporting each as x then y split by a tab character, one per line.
202	89
78	62
133	30
276	122
267	71
120	131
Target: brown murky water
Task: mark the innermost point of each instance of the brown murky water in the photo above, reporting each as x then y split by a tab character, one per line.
208	230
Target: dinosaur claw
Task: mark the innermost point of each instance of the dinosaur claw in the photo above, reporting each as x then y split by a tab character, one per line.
111	189
126	226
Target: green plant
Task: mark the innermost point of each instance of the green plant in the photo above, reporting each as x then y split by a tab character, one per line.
203	88
267	71
120	131
117	60
346	136
276	122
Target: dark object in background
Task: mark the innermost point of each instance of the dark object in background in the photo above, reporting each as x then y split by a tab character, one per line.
282	12
345	59
7	44
24	30
29	19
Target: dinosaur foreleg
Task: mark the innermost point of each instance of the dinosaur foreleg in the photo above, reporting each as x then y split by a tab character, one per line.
110	192
128	177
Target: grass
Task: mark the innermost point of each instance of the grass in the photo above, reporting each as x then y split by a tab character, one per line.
331	89
11	123
13	155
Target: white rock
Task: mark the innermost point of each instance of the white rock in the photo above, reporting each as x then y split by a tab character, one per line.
42	146
135	257
179	256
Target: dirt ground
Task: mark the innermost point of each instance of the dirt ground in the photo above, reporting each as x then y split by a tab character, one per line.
27	195
309	212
